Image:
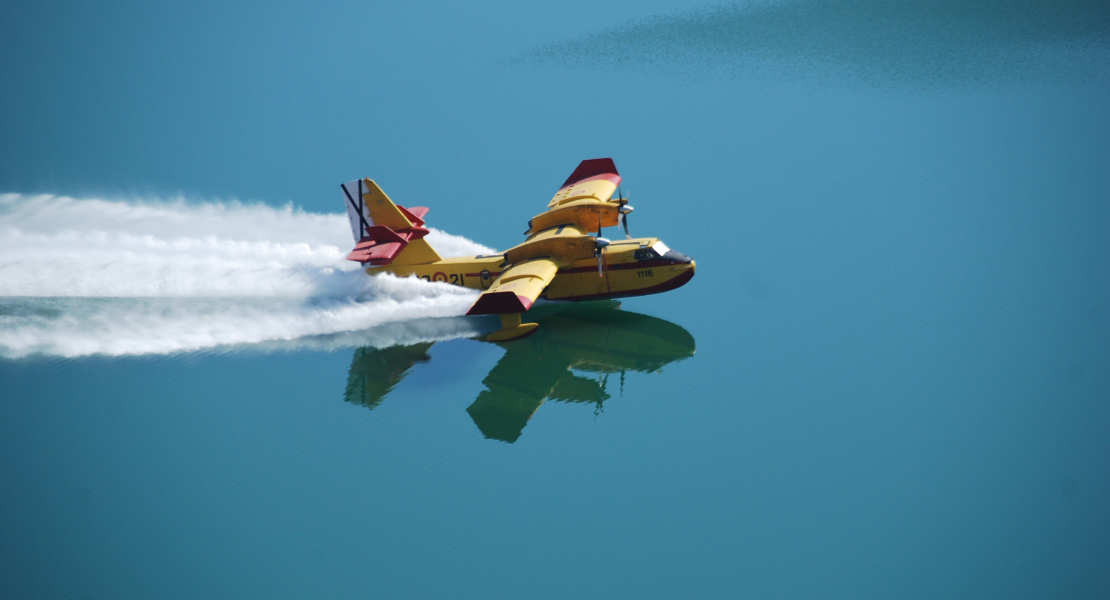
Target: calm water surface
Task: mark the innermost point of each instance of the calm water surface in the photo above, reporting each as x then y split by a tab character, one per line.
890	377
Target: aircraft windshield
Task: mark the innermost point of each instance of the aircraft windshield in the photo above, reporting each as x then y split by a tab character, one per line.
660	248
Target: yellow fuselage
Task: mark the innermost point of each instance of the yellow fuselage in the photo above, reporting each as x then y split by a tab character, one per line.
629	268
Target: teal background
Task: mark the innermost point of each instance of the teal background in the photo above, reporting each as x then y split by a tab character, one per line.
901	310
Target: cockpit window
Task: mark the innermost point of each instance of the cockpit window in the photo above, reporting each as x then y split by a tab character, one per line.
645	254
660	248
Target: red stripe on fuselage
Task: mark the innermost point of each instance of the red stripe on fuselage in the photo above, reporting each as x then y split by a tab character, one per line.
646	264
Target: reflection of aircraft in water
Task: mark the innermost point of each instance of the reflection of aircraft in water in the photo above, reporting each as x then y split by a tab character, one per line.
583	337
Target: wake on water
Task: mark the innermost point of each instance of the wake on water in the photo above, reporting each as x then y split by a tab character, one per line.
93	276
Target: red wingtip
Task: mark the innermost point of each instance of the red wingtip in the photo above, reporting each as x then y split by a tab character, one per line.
499	303
592	168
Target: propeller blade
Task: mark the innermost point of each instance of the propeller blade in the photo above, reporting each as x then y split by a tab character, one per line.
624	211
600	244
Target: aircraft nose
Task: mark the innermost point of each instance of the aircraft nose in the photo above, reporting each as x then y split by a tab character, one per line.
677	257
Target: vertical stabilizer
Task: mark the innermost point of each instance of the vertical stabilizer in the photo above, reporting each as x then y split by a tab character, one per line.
384	232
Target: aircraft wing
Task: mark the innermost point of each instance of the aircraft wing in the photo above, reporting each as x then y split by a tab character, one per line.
584	200
516	289
594	179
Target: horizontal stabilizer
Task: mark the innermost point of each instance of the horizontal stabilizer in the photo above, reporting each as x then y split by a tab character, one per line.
384	235
374	253
414	214
382	244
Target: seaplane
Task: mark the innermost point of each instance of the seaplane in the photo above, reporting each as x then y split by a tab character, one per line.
558	260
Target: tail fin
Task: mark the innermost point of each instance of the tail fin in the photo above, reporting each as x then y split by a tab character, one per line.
385	233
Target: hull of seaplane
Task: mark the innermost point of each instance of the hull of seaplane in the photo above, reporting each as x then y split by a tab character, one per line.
579	281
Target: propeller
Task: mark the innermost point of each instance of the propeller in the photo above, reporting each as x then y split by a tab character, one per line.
622	212
599	245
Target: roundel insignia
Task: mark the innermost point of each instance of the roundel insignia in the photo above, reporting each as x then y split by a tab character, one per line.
439	276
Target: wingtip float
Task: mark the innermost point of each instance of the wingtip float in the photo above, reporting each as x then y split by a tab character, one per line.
558	261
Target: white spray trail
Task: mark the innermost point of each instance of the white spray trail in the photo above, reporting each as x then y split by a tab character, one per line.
91	276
